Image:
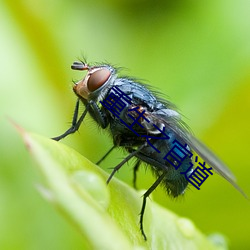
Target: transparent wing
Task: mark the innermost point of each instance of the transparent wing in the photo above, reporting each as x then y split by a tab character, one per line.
212	160
174	123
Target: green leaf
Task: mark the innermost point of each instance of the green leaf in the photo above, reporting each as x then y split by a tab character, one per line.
107	215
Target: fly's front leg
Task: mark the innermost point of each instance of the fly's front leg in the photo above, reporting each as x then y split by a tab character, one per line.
98	115
75	123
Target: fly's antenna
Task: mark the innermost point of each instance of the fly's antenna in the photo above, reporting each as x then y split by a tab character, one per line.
80	66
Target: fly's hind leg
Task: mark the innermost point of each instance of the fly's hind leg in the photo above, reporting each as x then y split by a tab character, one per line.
145	196
135	169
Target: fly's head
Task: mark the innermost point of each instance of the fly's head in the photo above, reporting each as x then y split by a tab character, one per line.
95	81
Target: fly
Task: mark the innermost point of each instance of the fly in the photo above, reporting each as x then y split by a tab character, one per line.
148	127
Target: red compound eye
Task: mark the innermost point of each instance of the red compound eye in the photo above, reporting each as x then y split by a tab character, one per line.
97	79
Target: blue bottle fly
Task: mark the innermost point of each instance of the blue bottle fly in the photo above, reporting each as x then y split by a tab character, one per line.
148	127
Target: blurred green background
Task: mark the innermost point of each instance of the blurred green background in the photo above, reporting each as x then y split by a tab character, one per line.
195	52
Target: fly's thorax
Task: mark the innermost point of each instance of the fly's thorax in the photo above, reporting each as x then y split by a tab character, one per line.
93	85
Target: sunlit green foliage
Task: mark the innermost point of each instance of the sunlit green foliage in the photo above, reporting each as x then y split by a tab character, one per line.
195	52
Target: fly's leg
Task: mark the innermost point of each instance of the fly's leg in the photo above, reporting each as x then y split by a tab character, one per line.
105	155
75	124
135	169
145	196
97	114
124	161
91	107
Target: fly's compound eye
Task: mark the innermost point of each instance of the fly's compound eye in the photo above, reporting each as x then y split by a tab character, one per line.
97	79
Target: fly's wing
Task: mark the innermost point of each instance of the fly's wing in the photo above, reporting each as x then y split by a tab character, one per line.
212	160
171	120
